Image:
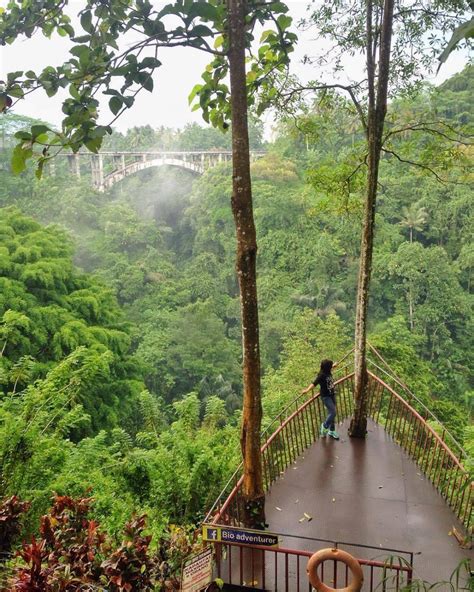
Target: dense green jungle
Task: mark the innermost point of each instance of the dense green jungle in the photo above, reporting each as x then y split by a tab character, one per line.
120	374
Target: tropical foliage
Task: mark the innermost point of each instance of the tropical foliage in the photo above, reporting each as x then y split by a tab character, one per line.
119	335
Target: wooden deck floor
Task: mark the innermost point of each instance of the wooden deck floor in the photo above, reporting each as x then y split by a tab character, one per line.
367	492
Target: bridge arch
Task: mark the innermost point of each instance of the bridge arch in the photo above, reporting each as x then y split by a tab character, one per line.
135	167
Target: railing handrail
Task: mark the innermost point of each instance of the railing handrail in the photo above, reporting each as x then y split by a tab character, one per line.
300	395
334	543
298	410
394	377
265	445
302	553
414	412
137	152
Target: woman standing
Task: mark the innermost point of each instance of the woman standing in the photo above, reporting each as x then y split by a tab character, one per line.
327	391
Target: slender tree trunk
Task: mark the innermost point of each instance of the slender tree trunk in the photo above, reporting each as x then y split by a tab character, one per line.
377	110
253	492
410	307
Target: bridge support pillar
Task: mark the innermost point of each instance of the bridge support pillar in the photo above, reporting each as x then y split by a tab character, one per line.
97	169
74	165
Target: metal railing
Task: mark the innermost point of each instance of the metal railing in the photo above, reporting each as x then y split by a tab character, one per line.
284	570
380	367
296	428
410	430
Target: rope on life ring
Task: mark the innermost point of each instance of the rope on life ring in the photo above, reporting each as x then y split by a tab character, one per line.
338	555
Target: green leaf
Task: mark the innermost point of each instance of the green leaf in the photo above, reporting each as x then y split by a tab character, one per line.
284	21
39	168
150	63
194	92
265	35
74	92
94	144
86	21
82	39
279	7
200	31
11	76
23	135
16	91
148	84
36	130
19	157
79	51
203	10
115	104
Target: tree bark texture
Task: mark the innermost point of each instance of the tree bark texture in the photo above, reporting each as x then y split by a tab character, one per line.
253	492
377	108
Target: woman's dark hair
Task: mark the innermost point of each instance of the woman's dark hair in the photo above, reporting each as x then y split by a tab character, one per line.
326	366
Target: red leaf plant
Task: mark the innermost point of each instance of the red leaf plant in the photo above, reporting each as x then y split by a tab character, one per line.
68	556
130	568
11	511
73	555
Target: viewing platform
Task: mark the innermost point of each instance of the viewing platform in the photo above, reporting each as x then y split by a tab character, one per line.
391	500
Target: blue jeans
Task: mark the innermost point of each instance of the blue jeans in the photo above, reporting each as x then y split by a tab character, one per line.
330	404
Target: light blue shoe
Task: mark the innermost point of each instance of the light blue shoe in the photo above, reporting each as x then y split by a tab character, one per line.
333	434
324	431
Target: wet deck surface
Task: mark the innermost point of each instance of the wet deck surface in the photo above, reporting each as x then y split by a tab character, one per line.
368	492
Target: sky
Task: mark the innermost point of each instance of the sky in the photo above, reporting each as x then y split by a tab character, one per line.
167	105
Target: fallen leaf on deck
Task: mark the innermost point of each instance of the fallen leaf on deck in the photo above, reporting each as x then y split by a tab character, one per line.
277	508
302	519
308	517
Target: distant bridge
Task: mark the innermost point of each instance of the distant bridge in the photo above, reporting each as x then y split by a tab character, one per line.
108	168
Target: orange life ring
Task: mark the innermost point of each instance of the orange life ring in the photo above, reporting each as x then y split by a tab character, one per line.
335	554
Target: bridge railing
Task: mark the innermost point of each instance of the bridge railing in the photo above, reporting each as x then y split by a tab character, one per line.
297	428
381	368
284	570
294	430
428	448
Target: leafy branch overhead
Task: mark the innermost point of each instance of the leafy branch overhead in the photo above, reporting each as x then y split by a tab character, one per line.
116	50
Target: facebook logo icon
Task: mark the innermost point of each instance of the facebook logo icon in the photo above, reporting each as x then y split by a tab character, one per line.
212	534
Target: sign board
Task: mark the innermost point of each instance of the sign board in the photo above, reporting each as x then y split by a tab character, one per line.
243	536
197	572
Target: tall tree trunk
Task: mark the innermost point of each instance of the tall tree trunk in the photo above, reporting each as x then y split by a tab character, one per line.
410	306
377	110
253	492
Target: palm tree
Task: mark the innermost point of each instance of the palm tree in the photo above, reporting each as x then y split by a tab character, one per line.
414	218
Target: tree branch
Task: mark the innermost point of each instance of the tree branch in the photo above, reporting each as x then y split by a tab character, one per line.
425	127
418	165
